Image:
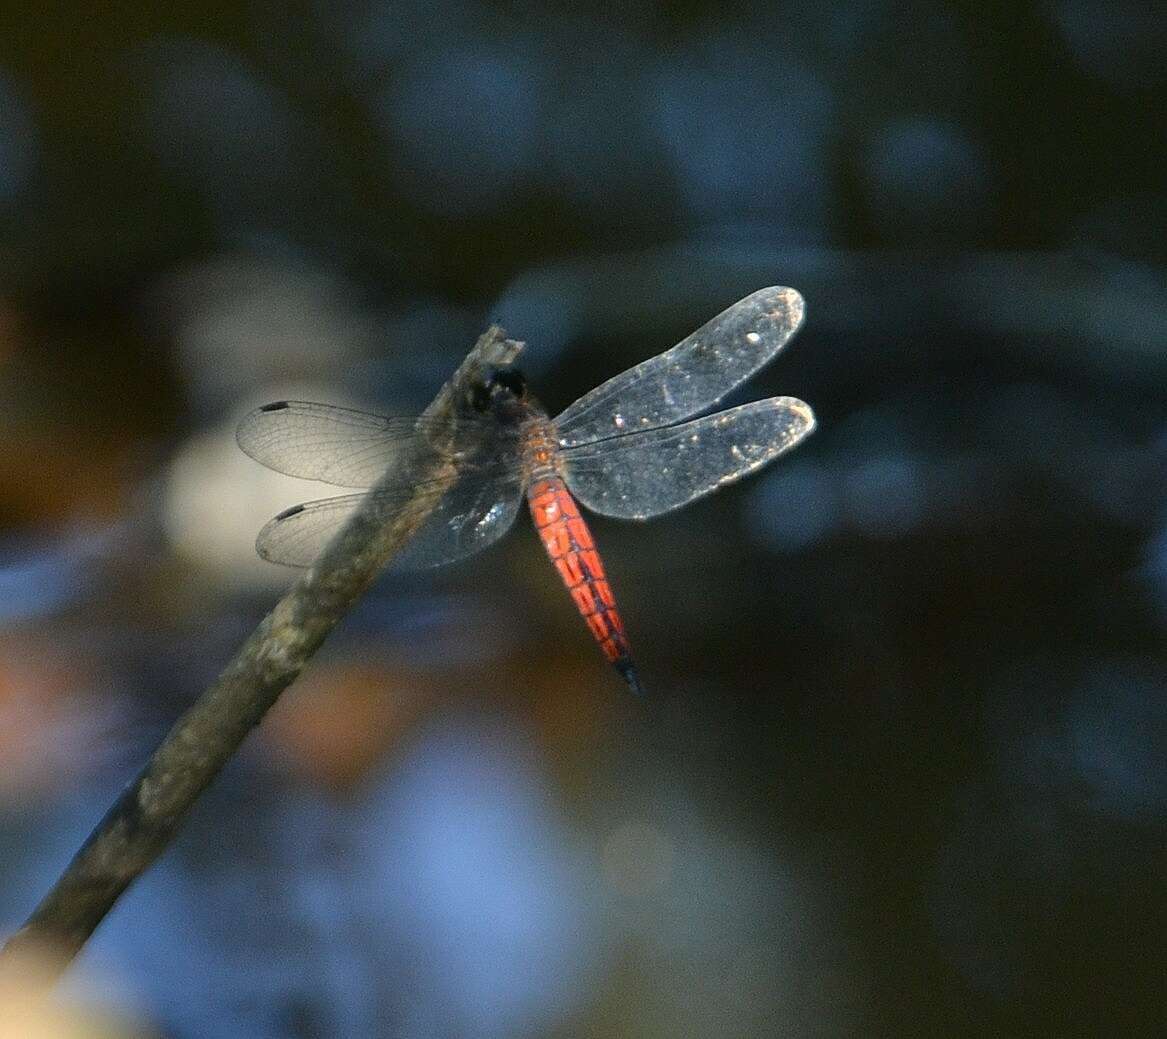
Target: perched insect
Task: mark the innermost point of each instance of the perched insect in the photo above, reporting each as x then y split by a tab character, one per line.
622	450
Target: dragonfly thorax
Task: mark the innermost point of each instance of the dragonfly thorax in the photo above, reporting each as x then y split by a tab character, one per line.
541	457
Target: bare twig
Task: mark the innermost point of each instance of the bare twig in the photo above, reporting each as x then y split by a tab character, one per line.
145	818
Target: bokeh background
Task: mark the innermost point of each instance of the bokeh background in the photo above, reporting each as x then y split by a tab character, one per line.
902	769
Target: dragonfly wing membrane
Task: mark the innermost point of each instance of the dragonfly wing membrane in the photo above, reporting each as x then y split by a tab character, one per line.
473	515
335	445
296	536
467	515
691	377
646	474
478	509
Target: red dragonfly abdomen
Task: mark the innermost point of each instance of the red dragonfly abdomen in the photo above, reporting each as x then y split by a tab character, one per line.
569	544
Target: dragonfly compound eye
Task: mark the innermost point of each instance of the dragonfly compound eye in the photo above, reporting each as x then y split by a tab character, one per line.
479	396
511	379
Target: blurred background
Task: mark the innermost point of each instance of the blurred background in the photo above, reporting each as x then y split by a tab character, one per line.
901	769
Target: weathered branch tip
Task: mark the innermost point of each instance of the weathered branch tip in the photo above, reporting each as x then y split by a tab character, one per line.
145	818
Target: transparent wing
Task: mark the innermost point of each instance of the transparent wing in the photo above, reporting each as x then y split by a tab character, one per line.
336	445
692	376
476	509
645	474
296	536
474	513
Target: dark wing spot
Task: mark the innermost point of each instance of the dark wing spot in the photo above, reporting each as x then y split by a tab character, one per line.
290	512
278	405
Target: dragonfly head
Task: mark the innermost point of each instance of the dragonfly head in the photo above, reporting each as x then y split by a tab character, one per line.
499	388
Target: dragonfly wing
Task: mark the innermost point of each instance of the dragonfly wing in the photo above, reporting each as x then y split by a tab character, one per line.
645	474
335	445
467	516
474	514
296	536
479	508
692	376
465	520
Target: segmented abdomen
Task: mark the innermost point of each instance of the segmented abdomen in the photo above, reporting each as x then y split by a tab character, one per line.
569	544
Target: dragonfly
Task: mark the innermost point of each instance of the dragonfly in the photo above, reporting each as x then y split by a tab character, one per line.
631	448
